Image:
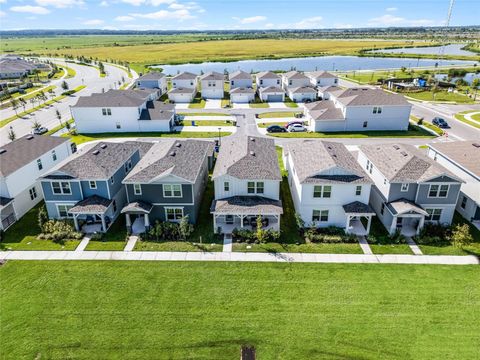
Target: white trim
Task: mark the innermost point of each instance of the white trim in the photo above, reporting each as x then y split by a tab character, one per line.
135	192
438	191
174	208
406	189
64	217
63	201
172	191
169	204
92	182
61	188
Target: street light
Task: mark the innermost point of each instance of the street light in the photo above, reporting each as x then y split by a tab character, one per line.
219	140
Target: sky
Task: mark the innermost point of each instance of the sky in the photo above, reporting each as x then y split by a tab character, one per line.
231	14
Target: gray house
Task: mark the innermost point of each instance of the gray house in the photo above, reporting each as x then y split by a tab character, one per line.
153	80
168	183
87	187
410	188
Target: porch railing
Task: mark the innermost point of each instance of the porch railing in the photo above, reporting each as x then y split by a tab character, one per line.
8	221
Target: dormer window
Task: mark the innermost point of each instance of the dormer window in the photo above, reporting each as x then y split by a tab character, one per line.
106	111
92	184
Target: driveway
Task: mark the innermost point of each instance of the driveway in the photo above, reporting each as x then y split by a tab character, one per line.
241	106
213	104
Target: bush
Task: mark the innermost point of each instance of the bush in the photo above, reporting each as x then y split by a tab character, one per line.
434	234
249	236
329	235
461	236
59	231
170	231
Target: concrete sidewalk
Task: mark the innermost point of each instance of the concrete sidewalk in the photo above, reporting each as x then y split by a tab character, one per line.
240	256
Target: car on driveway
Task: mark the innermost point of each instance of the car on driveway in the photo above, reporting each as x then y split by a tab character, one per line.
287	125
441	123
40	131
297	128
275	129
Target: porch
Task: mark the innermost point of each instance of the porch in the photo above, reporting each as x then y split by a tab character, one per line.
7	213
408	217
355	212
137	217
90	215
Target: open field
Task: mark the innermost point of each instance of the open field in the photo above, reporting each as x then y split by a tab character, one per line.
443	96
139	310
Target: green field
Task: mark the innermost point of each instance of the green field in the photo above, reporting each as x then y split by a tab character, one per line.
443	96
200	310
476	117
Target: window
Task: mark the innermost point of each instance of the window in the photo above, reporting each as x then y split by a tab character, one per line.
106	112
73	148
128	166
290	82
404	187
368	164
384	181
382	209
112	180
464	202
63	211
335	81
358	190
255	187
322	191
320	215
440	191
54	155
173	214
114	206
61	187
232	82
137	189
92	184
278	81
365	124
377	110
228	219
33	193
226	186
260	187
39	164
251	187
118	126
433	214
172	190
261	82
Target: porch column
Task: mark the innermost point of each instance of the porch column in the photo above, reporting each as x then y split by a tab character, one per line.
128	221
347	225
104	224
147	222
393	227
214	223
278	217
420	224
241	221
369	223
75	221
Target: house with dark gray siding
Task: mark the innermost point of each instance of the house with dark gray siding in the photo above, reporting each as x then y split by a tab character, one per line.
87	187
167	183
410	188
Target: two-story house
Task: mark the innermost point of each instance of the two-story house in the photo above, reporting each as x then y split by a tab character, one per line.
409	187
168	183
239	79
269	86
184	87
153	80
358	109
212	85
328	186
123	111
22	161
322	78
247	185
463	159
294	79
87	187
298	87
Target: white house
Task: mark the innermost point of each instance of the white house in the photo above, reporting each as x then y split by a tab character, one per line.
267	78
322	78
302	94
247	185
328	186
294	79
463	159
22	162
153	80
212	84
185	80
271	94
123	111
358	109
182	95
240	79
242	95
324	91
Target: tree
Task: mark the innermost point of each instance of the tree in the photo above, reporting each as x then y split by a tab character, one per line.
261	233
461	236
64	85
11	134
33	100
42	217
476	83
57	113
403	69
51	93
186	228
23	103
14	105
36	124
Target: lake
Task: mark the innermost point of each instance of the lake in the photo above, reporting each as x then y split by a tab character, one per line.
468	77
451	49
329	63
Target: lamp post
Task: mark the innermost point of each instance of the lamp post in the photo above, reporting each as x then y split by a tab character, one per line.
219	140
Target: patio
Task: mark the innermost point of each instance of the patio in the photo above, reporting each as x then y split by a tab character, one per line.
140	212
354	212
93	211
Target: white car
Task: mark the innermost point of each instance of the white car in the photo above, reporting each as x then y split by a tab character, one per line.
296	128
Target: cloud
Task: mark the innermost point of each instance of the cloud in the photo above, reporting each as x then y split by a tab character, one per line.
134	2
124	18
148	2
2	13
309	23
391	20
166	15
188	6
93	22
390	9
60	3
342	26
103	3
251	19
30	9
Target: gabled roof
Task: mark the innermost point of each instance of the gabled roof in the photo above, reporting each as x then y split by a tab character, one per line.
271	89
302	89
185	76
401	163
360	96
403	206
329	88
91	205
242	90
248	157
212	75
464	153
26	149
116	98
157	110
239	75
154	75
324	162
294	75
181	90
248	205
320	75
323	110
180	158
98	161
267	75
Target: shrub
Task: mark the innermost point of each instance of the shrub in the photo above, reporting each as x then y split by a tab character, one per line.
42	217
249	236
170	231
461	236
434	234
59	231
329	235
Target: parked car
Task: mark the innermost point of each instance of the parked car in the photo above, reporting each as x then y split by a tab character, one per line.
441	123
275	129
287	125
40	131
297	128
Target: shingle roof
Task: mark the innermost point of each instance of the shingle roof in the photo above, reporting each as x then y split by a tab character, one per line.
157	110
137	206
267	75
247	205
180	158
212	75
91	205
329	88
242	90
88	164
239	75
154	75
185	76
249	158
302	89
295	75
401	163
13	65
402	206
116	98
271	89
368	96
320	75
464	153
314	161
323	110
181	90
26	149
358	207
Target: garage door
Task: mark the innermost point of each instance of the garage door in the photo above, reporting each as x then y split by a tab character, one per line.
241	99
275	98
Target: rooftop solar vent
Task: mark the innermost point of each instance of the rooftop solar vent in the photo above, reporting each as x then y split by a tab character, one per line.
3	151
477	145
172	153
178	145
396	147
96	152
404	153
252	153
103	146
29	137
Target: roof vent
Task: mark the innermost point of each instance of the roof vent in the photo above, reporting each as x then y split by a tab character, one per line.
30	137
252	139
252	153
3	151
404	153
477	145
172	153
96	152
178	144
103	146
396	147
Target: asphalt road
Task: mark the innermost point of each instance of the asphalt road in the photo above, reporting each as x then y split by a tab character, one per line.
85	75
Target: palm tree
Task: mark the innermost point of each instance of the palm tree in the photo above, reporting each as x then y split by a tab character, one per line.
23	103
36	124
33	100
11	134
14	105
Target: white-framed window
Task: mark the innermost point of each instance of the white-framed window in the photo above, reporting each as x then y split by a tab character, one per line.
260	187
251	187
438	191
320	215
61	187
261	82
320	191
112	180
92	184
255	187
128	165
382	208
226	186
137	189
377	110
106	111
118	126
228	219
404	187
33	193
384	181
463	204
433	214
63	211
39	164
172	190
173	213
358	190
54	155
365	124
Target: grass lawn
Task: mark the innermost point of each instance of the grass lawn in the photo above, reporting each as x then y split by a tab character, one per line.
461	117
207	123
440	96
59	127
202	114
200	104
82	138
23	235
391	249
301	248
70	72
428	125
201	310
290	104
277	114
263	105
176	246
113	240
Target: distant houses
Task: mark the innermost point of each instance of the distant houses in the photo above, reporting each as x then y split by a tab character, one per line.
14	67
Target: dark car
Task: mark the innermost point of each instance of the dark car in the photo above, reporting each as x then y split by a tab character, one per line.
441	123
275	129
40	131
287	125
